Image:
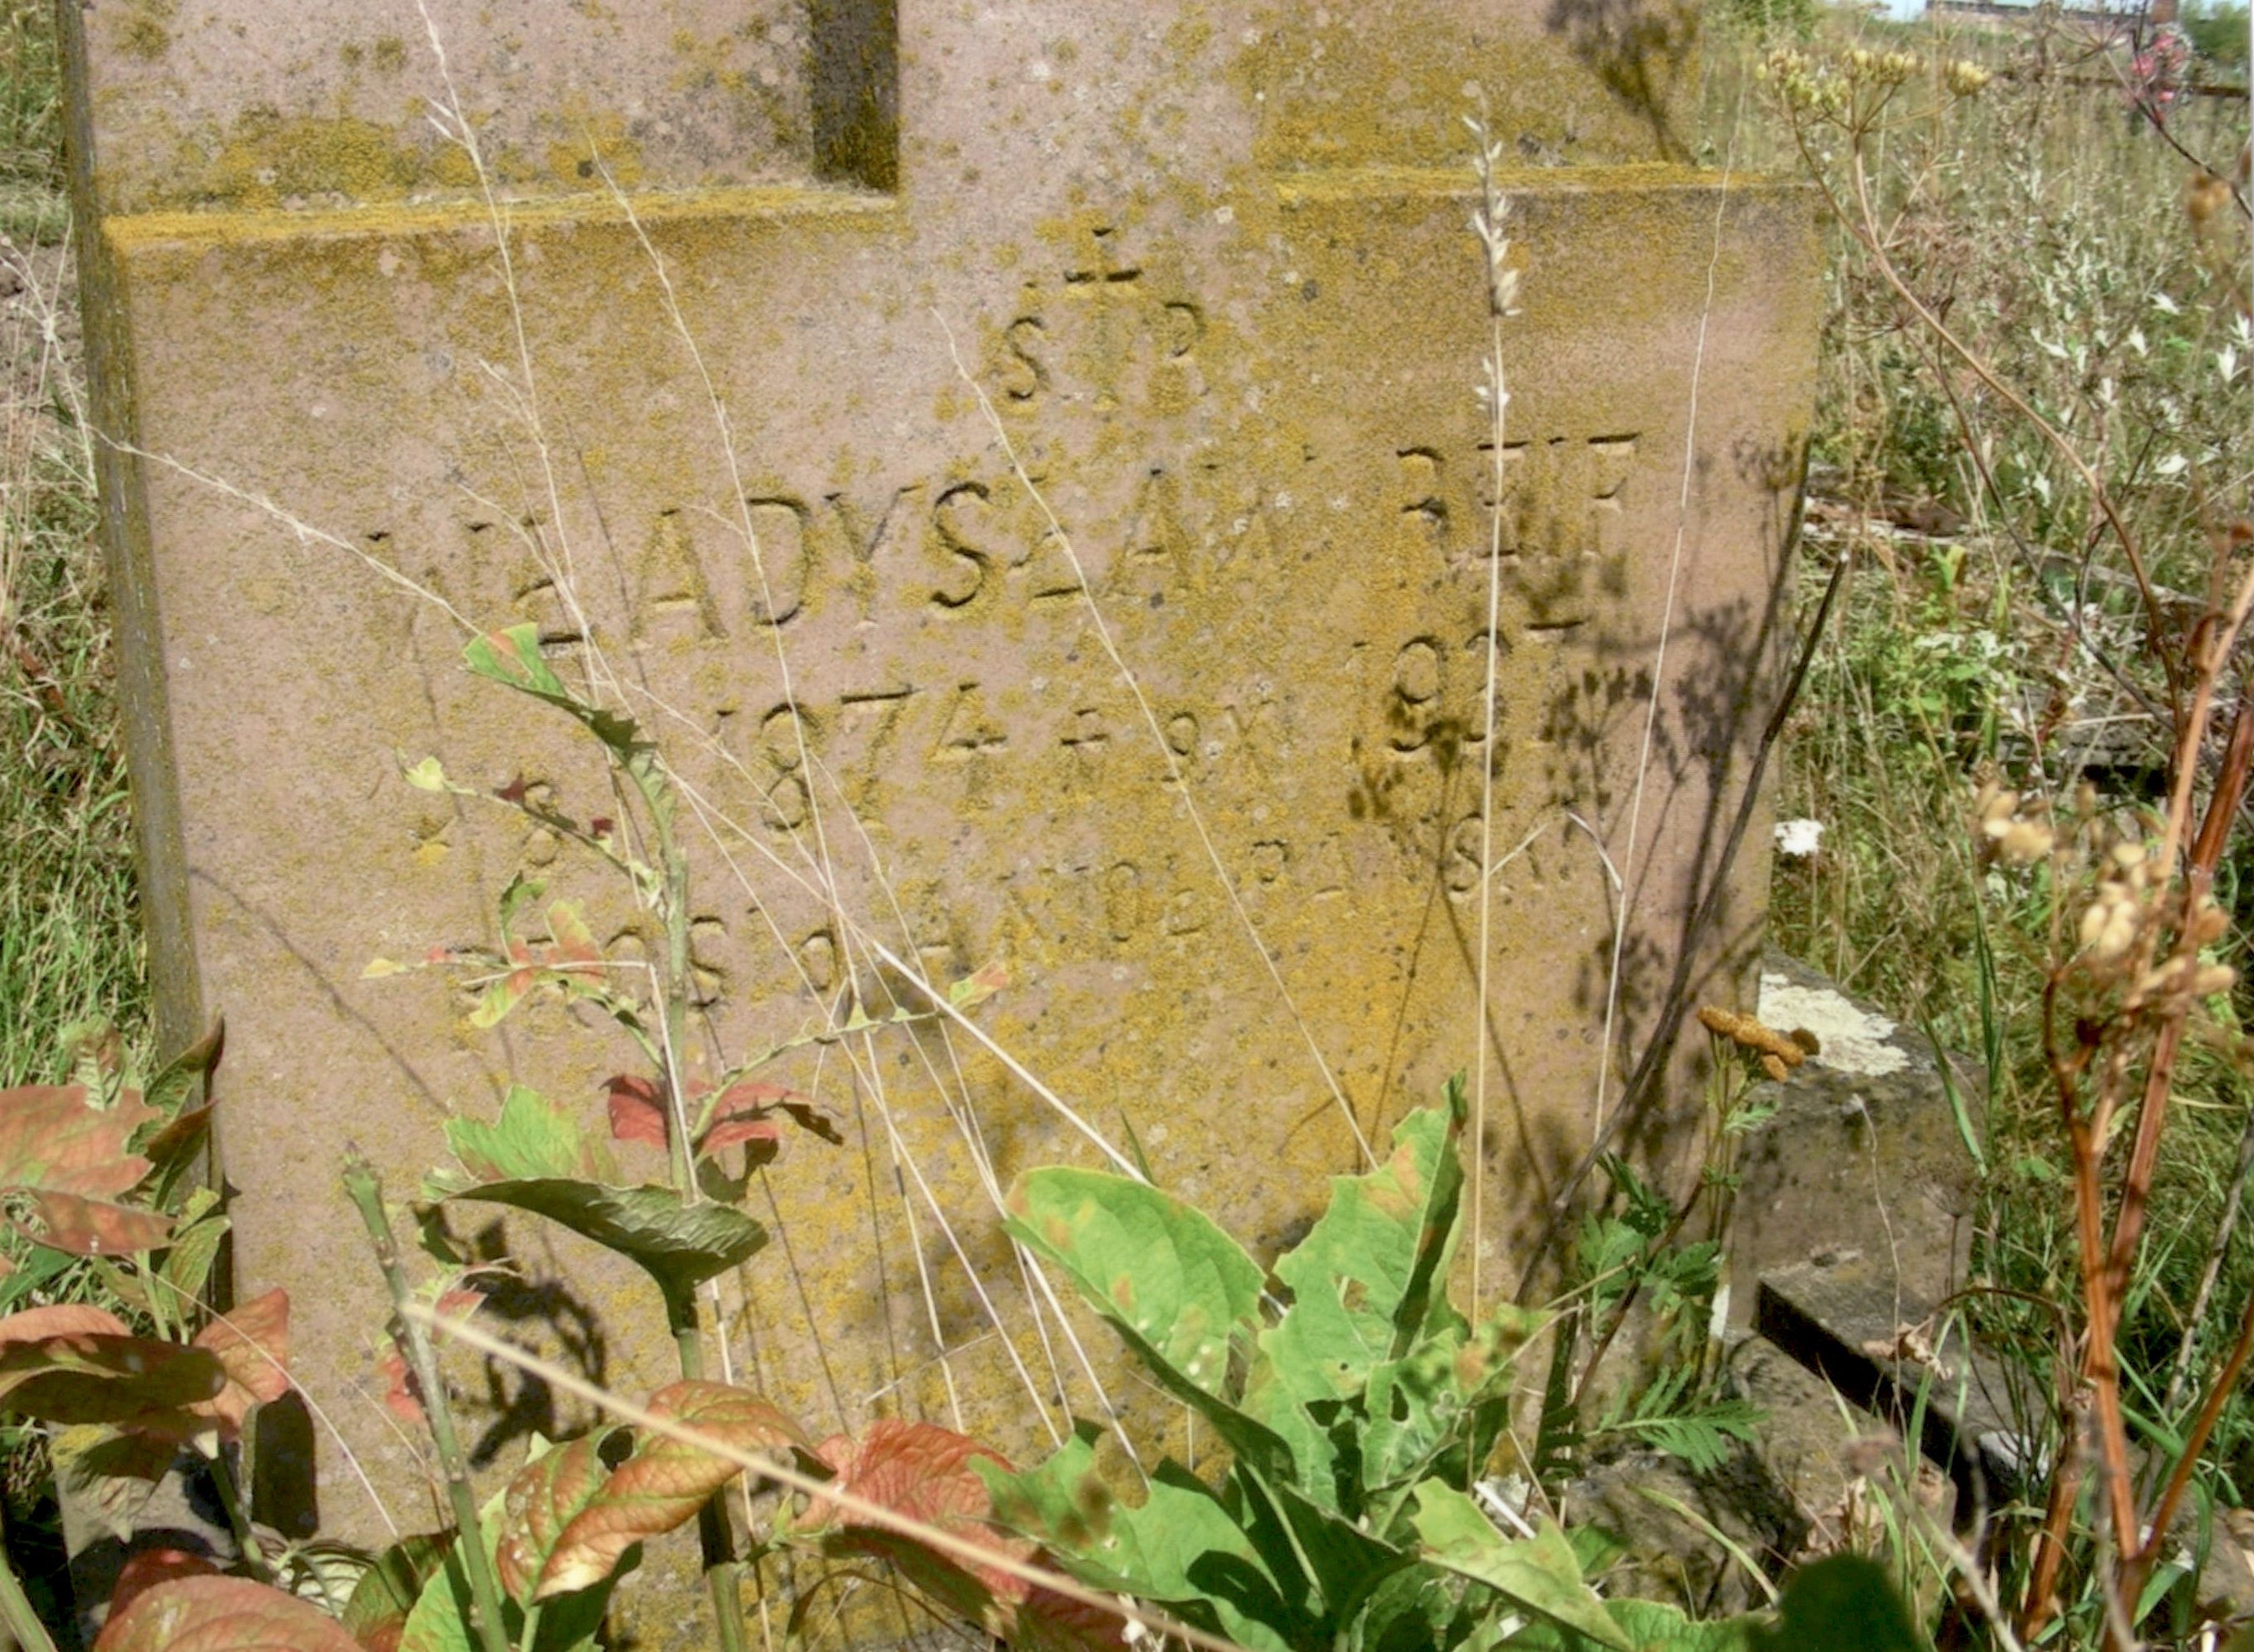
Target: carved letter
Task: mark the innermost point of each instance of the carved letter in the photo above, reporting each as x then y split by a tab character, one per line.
1025	377
778	527
672	589
954	533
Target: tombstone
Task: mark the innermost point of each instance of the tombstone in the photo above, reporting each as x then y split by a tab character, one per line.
1208	266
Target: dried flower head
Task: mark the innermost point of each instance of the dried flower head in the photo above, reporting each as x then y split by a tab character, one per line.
1967	79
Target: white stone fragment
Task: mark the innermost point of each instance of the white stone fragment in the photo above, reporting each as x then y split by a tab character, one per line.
1850	1041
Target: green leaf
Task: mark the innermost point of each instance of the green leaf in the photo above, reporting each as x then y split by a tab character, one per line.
1537	1573
187	1265
677	1244
375	1613
38	1269
513	658
521	891
184	1082
1180	1291
1438	1411
1366	1281
1700	1438
1160	1270
1419	1608
429	776
1180	1546
533	1139
1651	1627
1842	1603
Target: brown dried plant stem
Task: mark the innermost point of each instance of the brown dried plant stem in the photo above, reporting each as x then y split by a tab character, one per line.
2205	857
414	1338
2101	1377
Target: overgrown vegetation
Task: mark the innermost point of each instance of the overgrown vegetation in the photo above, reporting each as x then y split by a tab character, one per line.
2034	463
2032	458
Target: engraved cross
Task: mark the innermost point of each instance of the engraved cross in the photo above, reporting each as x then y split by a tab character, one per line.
1096	271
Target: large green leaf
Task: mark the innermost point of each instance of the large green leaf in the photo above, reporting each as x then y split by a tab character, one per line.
1369	1278
534	1157
1537	1573
1368	1286
1842	1603
1160	1269
1653	1626
678	1244
1437	1410
1421	1608
1180	1291
1180	1546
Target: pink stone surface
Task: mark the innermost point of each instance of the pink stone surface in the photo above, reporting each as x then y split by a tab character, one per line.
1208	265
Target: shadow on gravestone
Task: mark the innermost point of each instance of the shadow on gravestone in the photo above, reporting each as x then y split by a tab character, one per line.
1207	266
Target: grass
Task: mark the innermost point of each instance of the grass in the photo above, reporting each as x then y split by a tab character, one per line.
70	946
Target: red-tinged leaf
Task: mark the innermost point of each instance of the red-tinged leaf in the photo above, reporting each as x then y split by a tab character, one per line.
1047	1621
665	1481
221	1614
64	1318
637	1111
50	1138
178	1140
83	1227
145	1568
99	1376
922	1472
516	791
733	1132
567	929
974	989
540	1503
252	1343
744	1113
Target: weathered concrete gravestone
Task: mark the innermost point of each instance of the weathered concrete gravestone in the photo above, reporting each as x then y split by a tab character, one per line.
1209	264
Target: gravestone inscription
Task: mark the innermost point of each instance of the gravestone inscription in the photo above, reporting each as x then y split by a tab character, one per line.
935	355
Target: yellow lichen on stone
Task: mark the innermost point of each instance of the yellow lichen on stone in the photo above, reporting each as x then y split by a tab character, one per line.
144	27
